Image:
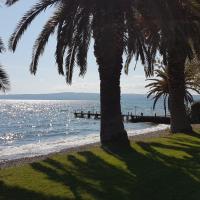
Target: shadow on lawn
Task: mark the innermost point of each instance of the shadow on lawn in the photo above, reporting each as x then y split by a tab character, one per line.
17	193
149	176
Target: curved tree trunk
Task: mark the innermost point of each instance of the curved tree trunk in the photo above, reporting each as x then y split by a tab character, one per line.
108	49
179	119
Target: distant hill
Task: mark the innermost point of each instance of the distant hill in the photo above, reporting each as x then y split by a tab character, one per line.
63	96
54	96
72	96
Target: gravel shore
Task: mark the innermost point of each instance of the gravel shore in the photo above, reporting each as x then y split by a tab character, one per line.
26	160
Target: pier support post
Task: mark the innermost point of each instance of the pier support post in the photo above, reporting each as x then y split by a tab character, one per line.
89	115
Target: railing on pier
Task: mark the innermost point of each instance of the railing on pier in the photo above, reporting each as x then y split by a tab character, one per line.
88	115
126	117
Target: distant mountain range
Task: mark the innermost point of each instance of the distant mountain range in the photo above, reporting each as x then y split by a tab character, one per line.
63	96
74	96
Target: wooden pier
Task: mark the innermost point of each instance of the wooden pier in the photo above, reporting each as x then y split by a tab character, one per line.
126	117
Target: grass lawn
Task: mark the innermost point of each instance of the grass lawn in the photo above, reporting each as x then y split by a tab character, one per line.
165	168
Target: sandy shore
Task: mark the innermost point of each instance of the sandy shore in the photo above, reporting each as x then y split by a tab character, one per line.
26	160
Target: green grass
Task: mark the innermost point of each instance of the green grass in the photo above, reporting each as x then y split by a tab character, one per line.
158	169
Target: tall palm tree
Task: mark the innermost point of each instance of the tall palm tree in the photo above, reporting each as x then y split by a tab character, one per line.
173	29
113	26
159	87
4	82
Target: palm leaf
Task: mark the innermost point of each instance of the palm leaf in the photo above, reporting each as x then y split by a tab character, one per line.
42	40
4	81
2	48
27	19
11	2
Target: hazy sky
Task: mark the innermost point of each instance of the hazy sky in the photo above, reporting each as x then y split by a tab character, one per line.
47	79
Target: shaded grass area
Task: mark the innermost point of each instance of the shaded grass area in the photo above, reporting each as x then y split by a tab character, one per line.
166	168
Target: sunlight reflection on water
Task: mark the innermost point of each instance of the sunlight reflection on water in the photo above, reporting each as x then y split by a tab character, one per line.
24	124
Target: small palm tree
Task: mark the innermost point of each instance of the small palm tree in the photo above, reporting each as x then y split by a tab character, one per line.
159	87
4	82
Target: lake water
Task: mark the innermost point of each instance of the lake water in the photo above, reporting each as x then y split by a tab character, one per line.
37	127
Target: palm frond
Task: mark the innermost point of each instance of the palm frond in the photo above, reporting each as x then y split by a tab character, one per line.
4	81
11	2
148	28
84	42
42	40
159	86
156	98
70	62
2	48
27	19
66	32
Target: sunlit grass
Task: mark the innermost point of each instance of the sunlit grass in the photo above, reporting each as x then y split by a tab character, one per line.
166	168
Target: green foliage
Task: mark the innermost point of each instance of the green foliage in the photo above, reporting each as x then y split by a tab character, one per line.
171	25
193	73
162	168
148	27
74	23
159	86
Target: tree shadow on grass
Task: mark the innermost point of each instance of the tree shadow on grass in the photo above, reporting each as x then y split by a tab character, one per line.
150	173
164	175
95	177
17	193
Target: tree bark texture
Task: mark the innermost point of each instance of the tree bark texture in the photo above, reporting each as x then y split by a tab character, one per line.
176	66
108	48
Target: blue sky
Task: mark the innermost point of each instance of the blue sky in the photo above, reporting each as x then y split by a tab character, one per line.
47	79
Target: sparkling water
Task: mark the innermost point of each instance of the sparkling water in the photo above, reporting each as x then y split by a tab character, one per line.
37	127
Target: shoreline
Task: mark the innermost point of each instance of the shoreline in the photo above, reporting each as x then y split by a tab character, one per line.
28	160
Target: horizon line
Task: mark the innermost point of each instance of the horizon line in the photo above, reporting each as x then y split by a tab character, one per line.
7	94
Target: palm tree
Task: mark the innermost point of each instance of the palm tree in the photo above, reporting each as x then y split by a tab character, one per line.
173	29
159	87
4	82
113	26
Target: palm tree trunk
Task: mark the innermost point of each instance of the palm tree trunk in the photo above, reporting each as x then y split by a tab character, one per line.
179	118
112	127
108	49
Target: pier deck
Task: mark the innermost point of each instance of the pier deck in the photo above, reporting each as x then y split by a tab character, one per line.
126	117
